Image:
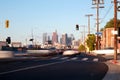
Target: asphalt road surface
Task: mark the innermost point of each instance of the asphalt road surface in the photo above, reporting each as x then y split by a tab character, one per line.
80	67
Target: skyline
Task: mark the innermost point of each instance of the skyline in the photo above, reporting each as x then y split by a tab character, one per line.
54	37
40	16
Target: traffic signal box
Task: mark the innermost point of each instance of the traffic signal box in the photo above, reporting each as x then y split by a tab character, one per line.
8	40
77	27
7	24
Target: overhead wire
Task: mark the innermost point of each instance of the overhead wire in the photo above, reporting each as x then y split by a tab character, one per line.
106	14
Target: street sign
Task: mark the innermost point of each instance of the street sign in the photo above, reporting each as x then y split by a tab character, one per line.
114	32
98	33
118	8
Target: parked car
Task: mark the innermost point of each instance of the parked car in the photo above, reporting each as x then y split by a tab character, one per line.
106	51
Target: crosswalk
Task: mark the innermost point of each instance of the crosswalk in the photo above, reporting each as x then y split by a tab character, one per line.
84	59
77	58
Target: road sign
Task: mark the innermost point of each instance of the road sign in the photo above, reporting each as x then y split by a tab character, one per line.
98	33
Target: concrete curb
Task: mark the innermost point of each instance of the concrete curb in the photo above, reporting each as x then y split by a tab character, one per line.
113	71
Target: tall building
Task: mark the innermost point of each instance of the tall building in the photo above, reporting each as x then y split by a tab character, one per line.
45	38
55	37
64	39
72	37
69	41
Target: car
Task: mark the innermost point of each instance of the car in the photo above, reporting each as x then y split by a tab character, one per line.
6	54
106	51
70	52
42	52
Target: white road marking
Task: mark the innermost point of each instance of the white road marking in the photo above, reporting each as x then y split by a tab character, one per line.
64	58
54	58
95	59
75	58
32	67
84	59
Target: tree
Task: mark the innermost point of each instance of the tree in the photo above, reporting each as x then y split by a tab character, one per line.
91	41
81	48
110	24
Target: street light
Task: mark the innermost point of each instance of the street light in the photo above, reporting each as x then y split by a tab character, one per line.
89	15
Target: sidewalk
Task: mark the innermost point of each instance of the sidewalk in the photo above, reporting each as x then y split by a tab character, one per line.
113	71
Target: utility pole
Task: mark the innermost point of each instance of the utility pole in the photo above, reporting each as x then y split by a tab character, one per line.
97	3
115	31
89	15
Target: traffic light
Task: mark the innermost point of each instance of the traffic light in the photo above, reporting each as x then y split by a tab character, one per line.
8	40
7	23
31	39
77	27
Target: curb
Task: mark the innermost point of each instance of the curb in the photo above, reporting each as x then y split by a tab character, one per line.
113	71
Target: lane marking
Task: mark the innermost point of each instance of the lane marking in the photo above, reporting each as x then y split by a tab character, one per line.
95	59
84	59
32	67
75	58
54	57
64	58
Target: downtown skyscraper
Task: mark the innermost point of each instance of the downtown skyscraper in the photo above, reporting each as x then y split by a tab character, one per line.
55	37
45	38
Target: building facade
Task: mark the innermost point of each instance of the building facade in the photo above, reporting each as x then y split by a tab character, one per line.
54	37
45	38
107	38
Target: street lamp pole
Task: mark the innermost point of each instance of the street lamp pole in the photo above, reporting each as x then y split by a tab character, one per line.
89	15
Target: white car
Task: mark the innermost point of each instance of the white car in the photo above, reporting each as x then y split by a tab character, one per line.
106	51
6	54
70	52
42	52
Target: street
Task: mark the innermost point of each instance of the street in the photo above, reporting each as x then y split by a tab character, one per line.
79	67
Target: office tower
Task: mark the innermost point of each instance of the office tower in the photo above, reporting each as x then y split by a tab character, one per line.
45	38
55	37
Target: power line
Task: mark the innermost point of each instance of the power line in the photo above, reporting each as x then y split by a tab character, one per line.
106	13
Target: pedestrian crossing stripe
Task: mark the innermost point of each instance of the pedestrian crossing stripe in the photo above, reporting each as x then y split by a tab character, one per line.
75	58
84	59
64	58
95	59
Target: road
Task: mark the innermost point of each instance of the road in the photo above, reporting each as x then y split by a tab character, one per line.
80	67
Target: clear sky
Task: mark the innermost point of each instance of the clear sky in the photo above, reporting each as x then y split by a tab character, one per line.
42	16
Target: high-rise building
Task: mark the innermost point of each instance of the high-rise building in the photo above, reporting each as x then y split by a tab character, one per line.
72	37
45	38
55	37
64	39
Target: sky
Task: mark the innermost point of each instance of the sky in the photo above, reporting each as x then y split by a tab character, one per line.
41	16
